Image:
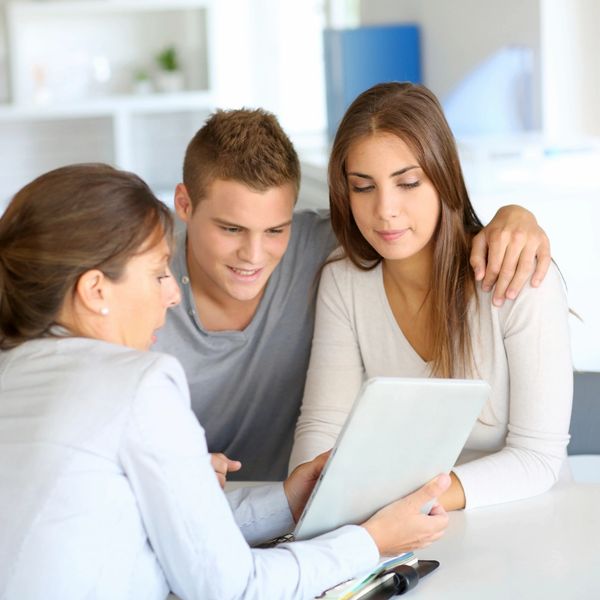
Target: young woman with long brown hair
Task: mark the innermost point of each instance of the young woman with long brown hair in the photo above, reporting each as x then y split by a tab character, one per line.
400	299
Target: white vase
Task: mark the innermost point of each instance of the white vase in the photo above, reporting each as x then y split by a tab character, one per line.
143	86
169	81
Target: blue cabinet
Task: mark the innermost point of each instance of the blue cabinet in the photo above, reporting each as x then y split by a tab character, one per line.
356	59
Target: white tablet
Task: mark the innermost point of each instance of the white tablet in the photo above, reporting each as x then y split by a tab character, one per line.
399	434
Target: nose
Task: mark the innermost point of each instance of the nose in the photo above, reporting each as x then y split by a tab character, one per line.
251	250
175	297
387	205
172	291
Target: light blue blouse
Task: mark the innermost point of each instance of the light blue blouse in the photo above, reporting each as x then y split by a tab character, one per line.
106	490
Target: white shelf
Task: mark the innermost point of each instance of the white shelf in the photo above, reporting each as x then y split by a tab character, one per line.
62	111
82	7
110	106
67	51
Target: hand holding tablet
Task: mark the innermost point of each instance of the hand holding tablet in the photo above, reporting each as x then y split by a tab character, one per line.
400	434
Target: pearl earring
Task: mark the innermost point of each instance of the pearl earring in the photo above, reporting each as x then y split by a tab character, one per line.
104	311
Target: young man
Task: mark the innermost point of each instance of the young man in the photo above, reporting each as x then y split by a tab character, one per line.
248	270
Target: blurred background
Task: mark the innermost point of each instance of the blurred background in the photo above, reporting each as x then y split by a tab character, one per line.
128	82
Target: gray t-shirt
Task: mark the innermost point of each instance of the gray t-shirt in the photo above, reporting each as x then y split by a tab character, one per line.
246	386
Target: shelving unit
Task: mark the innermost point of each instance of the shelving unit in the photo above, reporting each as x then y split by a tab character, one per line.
71	67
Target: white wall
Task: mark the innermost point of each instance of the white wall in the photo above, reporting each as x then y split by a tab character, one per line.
3	56
374	12
270	54
571	67
457	35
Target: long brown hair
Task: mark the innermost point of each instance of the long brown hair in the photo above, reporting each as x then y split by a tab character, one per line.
414	114
62	224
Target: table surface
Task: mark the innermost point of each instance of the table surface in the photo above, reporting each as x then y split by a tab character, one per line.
545	547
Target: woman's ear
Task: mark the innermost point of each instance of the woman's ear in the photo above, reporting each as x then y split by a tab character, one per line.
92	291
183	203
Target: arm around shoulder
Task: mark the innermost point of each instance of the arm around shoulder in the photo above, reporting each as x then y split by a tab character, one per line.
509	251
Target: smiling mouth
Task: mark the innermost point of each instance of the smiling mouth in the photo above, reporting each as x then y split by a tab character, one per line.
390	235
246	274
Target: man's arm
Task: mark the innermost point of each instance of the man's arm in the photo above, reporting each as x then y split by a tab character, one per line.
512	248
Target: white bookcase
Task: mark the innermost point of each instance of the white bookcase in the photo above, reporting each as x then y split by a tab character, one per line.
69	78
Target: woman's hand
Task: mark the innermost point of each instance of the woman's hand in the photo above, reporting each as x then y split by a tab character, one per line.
223	465
454	497
505	253
301	481
401	526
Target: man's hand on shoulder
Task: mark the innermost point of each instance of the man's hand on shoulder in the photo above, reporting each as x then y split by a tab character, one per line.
510	250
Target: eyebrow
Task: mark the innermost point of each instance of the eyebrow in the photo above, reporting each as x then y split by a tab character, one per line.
230	224
394	174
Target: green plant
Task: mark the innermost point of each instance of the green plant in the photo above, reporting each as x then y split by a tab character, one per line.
141	75
167	59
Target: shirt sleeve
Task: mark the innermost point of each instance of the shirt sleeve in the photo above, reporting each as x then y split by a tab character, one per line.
335	371
190	524
261	512
537	346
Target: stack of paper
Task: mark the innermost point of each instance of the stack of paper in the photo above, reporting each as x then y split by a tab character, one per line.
348	589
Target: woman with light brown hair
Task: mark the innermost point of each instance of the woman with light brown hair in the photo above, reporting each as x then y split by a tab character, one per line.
400	299
106	484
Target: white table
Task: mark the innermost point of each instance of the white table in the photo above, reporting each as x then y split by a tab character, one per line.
545	547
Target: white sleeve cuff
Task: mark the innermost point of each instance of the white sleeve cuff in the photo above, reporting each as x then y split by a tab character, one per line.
261	512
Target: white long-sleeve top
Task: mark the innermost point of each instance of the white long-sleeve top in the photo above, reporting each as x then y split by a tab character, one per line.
522	350
107	492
